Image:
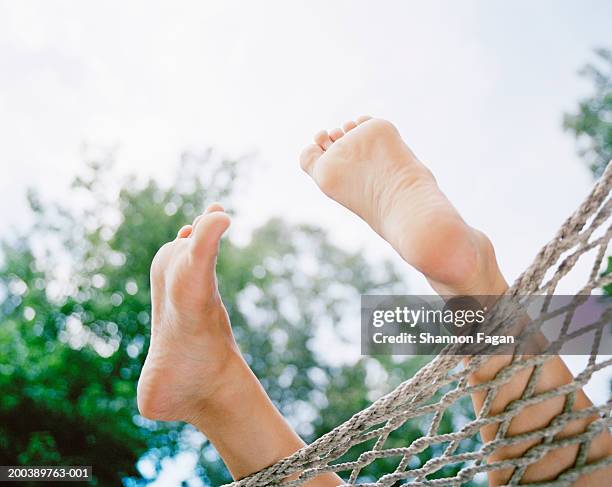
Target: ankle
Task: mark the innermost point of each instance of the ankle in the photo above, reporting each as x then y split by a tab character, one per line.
233	385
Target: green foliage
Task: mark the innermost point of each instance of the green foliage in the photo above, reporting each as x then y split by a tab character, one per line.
608	288
75	311
592	123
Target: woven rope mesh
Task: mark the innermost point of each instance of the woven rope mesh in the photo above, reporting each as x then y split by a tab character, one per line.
460	457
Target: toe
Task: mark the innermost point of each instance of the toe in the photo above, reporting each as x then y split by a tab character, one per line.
214	207
184	232
207	234
197	219
348	126
322	138
335	134
363	118
309	155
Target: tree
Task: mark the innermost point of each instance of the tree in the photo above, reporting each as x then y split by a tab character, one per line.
75	311
592	124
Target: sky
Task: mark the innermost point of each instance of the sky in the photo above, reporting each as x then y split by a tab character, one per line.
477	89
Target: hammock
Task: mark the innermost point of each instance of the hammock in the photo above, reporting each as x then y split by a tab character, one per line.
439	385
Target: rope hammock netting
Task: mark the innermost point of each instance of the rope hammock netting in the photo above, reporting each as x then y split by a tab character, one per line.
442	384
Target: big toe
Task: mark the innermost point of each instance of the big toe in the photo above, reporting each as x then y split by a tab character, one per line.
206	236
214	207
309	155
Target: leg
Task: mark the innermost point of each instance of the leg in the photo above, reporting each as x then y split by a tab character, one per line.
194	371
370	170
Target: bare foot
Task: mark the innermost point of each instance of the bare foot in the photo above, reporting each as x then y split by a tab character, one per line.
367	167
192	347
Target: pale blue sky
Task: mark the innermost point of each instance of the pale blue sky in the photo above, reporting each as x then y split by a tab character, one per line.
478	89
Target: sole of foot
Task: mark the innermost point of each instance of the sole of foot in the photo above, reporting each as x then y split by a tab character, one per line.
368	168
191	339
